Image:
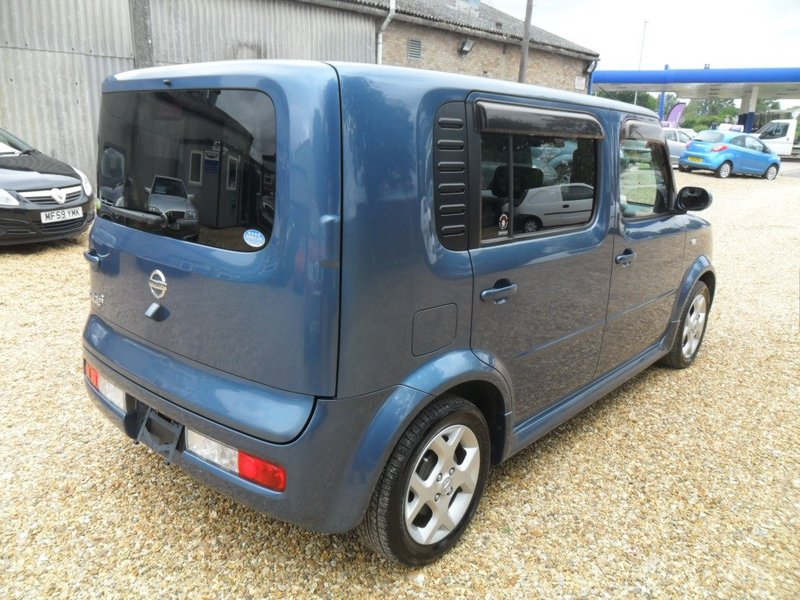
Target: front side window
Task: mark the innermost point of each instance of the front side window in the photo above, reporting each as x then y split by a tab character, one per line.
195	159
644	171
773	131
752	143
540	178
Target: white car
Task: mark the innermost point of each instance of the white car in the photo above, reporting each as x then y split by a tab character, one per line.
555	205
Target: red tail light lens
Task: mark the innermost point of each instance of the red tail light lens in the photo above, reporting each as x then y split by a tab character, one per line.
262	472
719	148
91	374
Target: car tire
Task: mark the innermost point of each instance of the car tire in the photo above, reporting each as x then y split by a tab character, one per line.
431	485
684	169
532	225
691	328
771	172
724	170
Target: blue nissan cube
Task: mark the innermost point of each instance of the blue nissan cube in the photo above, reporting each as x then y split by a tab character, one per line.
385	289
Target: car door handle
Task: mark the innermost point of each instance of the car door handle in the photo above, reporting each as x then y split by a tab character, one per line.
499	294
565	206
626	258
92	257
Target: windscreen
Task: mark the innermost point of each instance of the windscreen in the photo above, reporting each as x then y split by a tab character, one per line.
195	165
712	137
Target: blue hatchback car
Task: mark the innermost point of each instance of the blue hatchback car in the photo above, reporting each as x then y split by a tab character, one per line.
728	153
360	354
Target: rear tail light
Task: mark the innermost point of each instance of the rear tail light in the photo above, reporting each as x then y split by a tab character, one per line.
91	374
106	389
719	148
246	466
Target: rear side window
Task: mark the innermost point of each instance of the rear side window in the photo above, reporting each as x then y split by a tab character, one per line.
538	170
196	165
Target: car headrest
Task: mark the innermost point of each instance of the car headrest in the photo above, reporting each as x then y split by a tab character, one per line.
525	178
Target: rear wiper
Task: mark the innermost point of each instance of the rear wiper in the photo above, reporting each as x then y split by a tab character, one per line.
135	214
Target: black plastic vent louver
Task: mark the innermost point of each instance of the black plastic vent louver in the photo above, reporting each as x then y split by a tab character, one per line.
450	175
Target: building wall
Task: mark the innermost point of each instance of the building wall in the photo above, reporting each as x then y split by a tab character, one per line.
204	30
54	55
440	52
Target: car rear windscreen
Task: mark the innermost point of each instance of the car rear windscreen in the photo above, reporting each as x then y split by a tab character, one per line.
712	137
197	165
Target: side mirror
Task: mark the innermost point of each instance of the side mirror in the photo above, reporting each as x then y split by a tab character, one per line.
146	190
693	198
191	197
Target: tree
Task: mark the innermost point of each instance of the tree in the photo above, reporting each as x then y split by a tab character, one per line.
702	113
767	104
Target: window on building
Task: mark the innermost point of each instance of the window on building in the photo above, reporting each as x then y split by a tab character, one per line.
645	174
196	167
232	180
414	49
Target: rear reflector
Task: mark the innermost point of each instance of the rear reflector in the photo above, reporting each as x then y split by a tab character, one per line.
107	389
262	472
240	463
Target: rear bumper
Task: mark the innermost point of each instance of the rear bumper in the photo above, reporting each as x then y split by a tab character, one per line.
704	162
328	483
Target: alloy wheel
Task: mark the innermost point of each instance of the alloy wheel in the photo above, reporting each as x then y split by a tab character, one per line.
693	326
442	484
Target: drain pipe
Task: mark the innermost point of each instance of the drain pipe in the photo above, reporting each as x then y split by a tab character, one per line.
383	27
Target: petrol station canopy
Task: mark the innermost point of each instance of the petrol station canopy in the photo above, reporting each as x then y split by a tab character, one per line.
773	83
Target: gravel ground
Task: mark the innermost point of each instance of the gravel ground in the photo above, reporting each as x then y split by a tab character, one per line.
679	484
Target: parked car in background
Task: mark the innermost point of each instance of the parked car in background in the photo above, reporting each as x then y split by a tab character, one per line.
167	196
780	135
676	142
41	198
730	152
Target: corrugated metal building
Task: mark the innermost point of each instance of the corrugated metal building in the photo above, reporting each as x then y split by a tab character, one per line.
54	54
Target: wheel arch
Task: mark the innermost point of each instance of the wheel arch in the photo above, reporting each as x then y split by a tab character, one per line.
700	270
710	279
489	400
459	372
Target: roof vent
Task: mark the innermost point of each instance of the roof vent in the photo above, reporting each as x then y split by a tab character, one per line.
414	49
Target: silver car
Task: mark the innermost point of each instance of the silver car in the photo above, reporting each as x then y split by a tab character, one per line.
168	196
676	140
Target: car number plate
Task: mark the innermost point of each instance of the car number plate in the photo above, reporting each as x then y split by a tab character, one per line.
695	159
64	214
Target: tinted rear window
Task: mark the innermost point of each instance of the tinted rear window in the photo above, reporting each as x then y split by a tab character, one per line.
711	137
203	161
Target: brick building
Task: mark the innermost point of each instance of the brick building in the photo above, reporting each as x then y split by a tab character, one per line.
472	37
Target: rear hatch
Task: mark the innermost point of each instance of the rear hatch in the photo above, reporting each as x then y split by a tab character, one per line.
245	279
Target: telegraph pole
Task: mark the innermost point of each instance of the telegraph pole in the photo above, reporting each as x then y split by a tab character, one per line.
526	42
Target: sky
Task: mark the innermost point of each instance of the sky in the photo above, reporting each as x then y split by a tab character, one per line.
684	34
